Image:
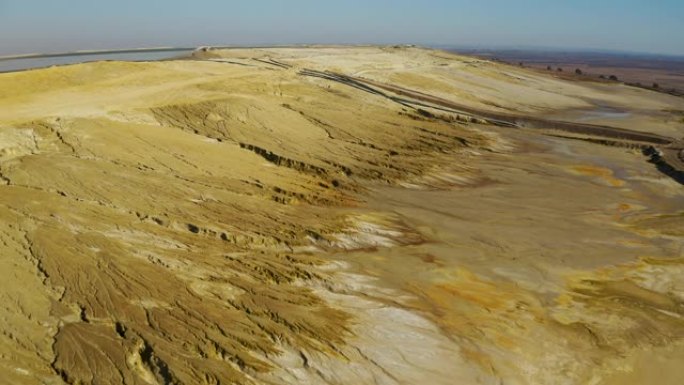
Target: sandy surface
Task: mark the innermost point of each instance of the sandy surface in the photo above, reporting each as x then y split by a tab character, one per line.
230	219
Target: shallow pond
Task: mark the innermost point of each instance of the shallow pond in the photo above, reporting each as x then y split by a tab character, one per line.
18	64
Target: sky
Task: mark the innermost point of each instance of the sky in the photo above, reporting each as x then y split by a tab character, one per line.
35	26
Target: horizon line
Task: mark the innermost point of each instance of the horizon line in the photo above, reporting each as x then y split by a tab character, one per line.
454	46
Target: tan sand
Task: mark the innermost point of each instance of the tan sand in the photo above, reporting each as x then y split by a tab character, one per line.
229	219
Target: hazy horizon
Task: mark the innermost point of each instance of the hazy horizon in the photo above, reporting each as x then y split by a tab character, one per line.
637	26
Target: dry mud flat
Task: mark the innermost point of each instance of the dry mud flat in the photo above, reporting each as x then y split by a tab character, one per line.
233	219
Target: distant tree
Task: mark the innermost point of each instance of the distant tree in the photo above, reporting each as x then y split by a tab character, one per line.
602	76
613	78
560	69
548	68
656	85
521	64
578	71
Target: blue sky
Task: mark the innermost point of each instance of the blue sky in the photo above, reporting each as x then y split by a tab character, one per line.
630	25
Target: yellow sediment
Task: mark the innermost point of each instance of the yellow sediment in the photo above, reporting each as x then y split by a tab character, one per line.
218	220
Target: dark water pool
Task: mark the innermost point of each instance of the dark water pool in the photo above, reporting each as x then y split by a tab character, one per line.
18	64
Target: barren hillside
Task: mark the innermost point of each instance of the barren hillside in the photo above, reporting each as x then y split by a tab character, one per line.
337	215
